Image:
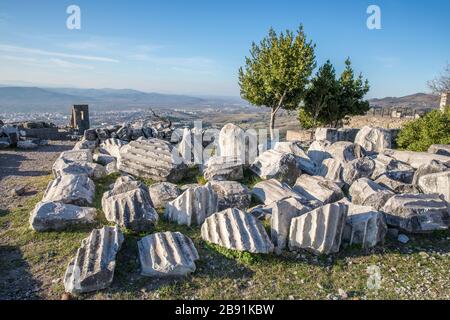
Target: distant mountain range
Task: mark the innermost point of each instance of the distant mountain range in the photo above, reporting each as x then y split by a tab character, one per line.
36	99
49	99
415	101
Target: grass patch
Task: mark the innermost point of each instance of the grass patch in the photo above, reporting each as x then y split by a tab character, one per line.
250	178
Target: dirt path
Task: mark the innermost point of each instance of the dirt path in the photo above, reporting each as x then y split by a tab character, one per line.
17	166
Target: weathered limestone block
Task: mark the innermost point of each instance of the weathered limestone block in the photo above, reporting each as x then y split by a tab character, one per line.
283	211
317	151
231	194
399	170
85	145
432	167
318	188
163	192
167	254
345	151
237	230
276	165
272	190
112	147
129	205
304	163
386	180
334	135
438	183
193	206
366	192
56	216
331	169
90	169
223	168
358	168
416	159
93	266
76	155
236	143
71	189
104	159
441	149
77	162
373	139
320	230
364	226
26	145
190	146
417	213
153	159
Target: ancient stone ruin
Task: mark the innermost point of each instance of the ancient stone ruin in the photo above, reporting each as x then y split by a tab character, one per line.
347	188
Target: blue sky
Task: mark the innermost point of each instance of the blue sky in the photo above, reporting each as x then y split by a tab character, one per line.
196	47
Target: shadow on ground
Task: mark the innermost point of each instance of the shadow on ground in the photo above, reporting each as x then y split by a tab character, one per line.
16	281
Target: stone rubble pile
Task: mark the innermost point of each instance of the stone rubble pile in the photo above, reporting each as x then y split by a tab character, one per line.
348	188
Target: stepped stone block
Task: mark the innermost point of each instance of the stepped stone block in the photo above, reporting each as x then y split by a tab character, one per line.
163	192
231	194
283	211
364	226
167	254
272	190
366	192
237	230
193	206
320	230
416	213
93	266
345	151
416	159
438	183
129	205
304	163
153	159
318	188
56	216
112	147
71	189
373	139
272	164
223	168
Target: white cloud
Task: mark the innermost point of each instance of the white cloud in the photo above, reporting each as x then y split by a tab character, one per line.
68	65
23	50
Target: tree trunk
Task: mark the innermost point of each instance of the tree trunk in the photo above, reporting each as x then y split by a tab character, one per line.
272	123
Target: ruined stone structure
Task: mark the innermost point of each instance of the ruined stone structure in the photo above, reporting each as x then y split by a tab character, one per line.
80	118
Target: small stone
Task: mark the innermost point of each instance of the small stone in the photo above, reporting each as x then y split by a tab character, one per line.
402	238
18	191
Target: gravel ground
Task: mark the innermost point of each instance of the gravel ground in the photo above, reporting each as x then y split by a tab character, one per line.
17	166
